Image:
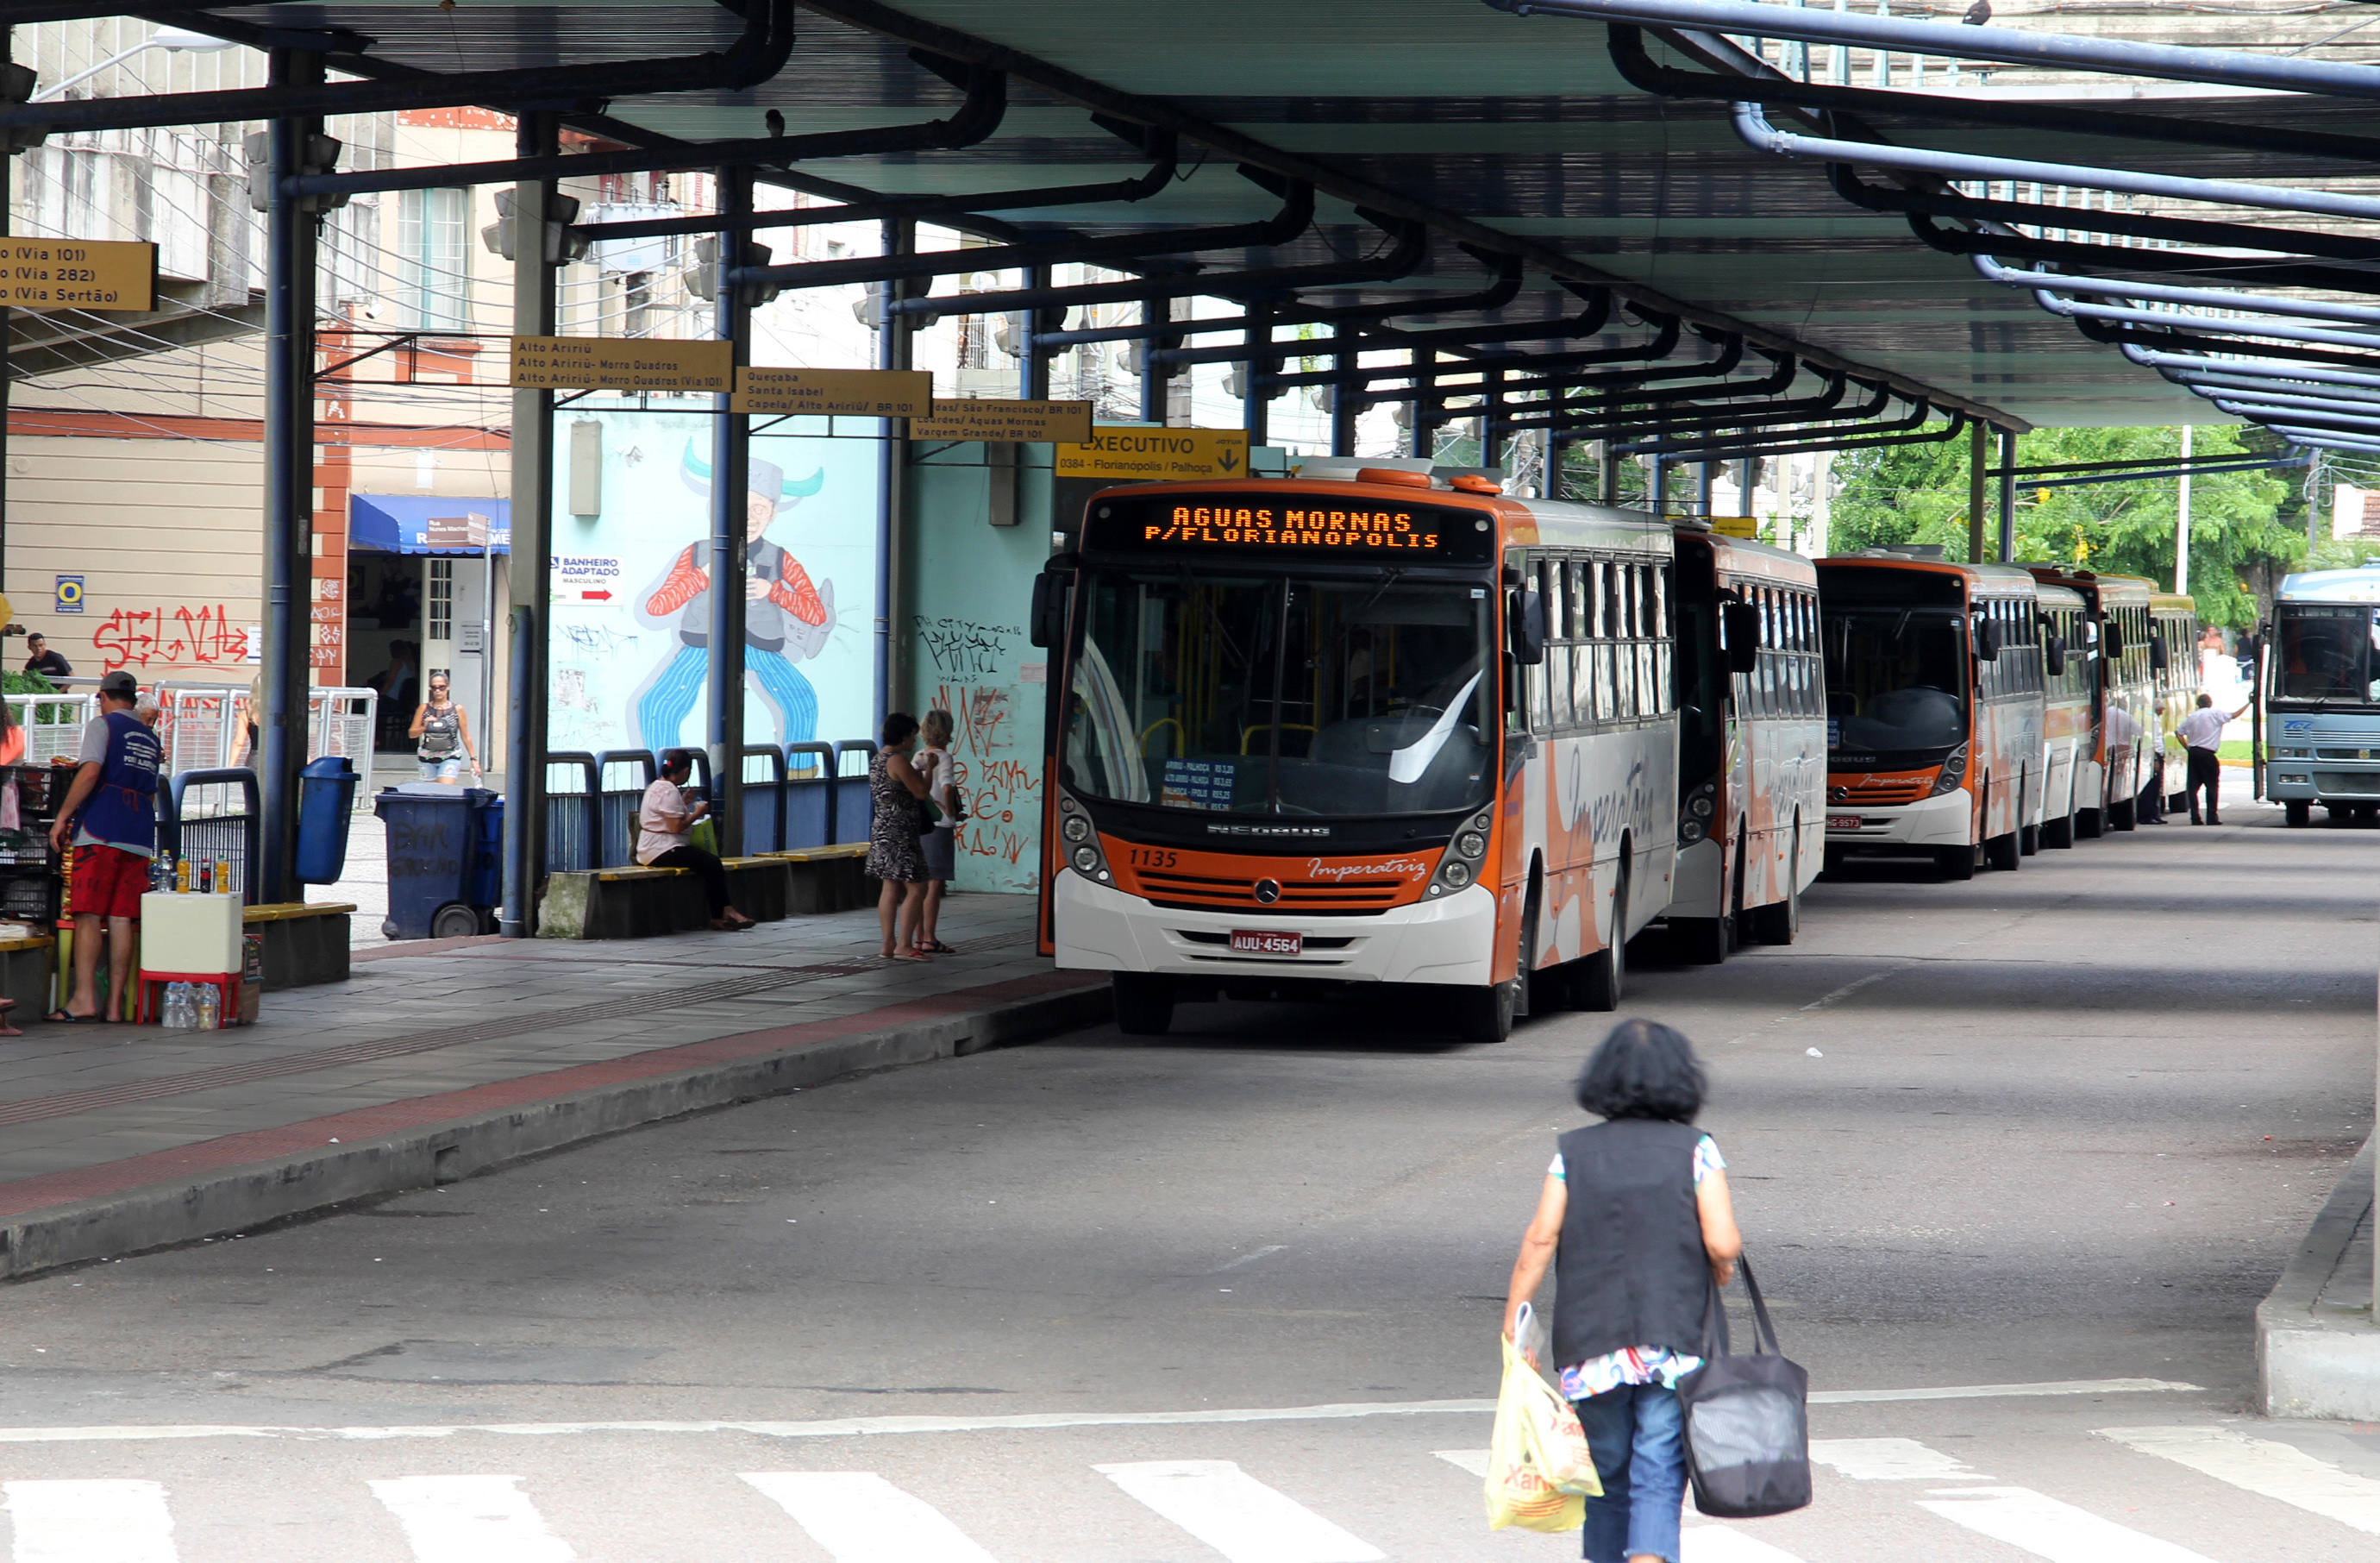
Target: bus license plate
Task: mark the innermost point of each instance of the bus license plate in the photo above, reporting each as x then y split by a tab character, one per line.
1843	822
1266	943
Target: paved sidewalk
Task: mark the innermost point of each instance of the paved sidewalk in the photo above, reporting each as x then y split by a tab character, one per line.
437	1058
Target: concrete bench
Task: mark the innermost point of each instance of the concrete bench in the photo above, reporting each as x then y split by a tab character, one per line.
305	942
27	969
637	903
828	878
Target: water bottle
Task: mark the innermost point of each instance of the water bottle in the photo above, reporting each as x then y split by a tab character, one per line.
210	1007
176	1001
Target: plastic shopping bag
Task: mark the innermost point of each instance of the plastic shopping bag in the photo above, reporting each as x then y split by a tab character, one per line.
1539	1469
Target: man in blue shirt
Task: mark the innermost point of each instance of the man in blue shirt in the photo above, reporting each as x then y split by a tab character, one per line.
112	809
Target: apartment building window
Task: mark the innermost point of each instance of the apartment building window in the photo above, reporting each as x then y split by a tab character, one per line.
429	241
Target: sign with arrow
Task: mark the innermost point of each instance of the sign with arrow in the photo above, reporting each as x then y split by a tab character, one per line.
584	577
1141	453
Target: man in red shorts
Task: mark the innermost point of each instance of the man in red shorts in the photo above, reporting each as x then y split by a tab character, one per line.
112	809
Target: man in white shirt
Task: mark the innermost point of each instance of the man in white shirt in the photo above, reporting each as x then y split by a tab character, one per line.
2202	735
665	821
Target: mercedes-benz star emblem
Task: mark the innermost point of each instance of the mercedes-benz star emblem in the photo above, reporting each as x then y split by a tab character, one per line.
1267	890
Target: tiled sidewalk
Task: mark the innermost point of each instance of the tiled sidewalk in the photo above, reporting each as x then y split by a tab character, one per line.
87	1111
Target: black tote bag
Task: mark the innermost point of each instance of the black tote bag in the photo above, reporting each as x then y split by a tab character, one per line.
1747	1420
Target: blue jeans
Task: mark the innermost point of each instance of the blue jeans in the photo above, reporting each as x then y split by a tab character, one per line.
1638	1435
662	713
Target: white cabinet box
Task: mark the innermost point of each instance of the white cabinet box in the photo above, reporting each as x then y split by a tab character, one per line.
193	935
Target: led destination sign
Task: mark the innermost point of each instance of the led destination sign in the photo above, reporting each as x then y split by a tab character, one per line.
1329	525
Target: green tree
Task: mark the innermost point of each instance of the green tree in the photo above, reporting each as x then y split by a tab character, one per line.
1918	493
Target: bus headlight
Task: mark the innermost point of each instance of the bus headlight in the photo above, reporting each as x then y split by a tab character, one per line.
1954	772
1461	863
1693	820
1076	827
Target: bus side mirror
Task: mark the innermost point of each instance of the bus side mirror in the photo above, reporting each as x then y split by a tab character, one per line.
1529	628
2111	639
2053	656
2159	657
1740	621
1048	625
1987	641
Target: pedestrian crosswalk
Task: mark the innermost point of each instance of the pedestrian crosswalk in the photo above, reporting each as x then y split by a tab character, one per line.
1221	1509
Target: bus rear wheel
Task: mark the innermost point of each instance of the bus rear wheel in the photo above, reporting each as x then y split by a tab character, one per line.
1702	941
2004	852
1144	1003
2297	812
2123	815
2090	824
2059	833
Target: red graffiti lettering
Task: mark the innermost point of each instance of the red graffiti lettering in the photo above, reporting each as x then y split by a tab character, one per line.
137	637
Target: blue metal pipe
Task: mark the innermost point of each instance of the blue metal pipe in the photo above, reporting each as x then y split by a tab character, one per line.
2164	62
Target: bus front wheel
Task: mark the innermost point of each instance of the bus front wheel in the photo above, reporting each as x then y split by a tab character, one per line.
2123	814
2004	851
1603	976
2090	824
1955	862
2298	812
1144	1003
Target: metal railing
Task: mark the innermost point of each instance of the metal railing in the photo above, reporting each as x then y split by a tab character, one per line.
622	775
764	799
214	814
574	812
809	793
853	810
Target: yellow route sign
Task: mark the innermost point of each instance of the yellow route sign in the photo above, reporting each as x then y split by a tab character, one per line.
611	363
77	273
1736	526
829	392
1059	422
1126	453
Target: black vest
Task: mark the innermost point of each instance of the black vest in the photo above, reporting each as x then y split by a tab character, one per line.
1631	1270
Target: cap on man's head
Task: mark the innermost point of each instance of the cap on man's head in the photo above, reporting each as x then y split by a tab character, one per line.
121	685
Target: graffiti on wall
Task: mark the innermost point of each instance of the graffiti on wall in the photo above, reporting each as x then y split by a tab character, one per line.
965	649
137	637
1000	783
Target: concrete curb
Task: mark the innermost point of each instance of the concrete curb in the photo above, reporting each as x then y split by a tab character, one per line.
232	1198
2317	1364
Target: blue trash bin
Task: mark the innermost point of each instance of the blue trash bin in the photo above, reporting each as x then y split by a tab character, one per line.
445	859
326	802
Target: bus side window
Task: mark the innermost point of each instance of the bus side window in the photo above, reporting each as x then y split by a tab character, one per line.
1556	577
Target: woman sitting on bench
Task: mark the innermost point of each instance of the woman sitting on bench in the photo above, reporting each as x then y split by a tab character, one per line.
663	821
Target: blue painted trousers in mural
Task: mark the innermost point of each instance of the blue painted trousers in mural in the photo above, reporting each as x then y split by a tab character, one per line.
664	707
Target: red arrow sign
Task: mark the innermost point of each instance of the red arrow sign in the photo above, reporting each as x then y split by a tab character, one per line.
596	596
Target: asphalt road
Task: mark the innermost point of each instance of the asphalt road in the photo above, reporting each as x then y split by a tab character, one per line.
2058	1128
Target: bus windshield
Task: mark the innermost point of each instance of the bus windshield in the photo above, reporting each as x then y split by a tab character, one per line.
2327	652
1254	692
1894	680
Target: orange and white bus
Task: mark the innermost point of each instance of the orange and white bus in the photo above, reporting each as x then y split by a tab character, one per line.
1752	744
1318	733
1934	708
2070	715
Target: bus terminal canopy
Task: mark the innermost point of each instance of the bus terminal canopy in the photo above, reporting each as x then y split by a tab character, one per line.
1330	153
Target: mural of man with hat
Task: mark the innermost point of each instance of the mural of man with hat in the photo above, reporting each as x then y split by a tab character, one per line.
786	619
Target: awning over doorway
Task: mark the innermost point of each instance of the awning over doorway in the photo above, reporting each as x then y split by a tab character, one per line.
429	524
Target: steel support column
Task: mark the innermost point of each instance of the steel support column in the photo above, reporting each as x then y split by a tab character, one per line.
1153	312
1978	452
895	349
530	563
2008	493
1345	349
730	460
1034	368
289	245
1256	411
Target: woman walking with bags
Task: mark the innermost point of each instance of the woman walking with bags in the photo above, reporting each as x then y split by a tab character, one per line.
894	791
1636	1223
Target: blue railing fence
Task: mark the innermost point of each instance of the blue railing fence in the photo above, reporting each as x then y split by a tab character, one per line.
574	812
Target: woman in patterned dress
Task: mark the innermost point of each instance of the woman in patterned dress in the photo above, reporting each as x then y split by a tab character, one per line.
895	790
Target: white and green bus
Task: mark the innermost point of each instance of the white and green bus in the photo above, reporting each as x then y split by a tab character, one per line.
2321	684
